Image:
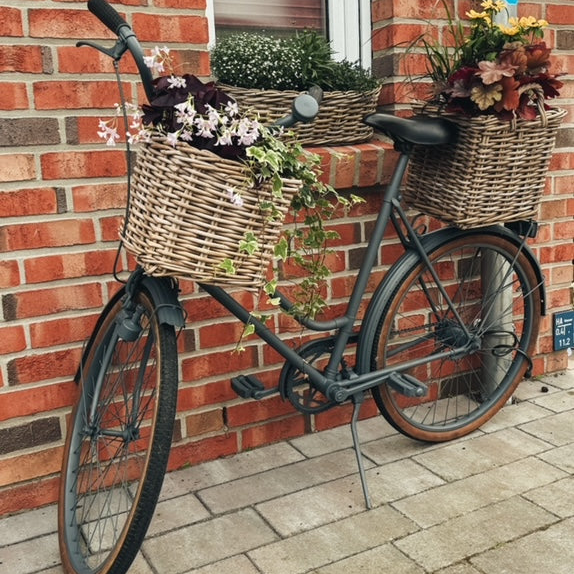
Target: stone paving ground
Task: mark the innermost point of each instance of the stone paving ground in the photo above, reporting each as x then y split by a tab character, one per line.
500	501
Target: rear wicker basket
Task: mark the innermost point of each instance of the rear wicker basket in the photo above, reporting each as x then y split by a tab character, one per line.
339	120
182	221
493	173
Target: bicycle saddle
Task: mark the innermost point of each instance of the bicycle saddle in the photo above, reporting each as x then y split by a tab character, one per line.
419	130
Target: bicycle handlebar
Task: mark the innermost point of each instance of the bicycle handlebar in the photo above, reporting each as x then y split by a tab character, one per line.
305	106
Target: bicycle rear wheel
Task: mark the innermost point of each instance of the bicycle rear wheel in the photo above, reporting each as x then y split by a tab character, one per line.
496	294
118	442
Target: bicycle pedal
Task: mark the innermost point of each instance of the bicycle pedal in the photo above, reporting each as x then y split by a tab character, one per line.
407	385
249	387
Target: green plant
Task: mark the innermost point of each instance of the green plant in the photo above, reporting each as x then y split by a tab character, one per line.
493	69
259	61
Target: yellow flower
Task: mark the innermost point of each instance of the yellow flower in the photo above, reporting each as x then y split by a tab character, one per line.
509	31
486	96
473	15
496	5
527	22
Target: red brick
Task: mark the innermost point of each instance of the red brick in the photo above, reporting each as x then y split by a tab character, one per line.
11	22
220	334
61	331
17	167
39	368
27	496
202	451
203	423
22	59
76	95
560	14
88	164
111	228
14	96
422	9
12	339
564	230
38	201
9	274
190	398
249	412
181	4
212	364
24	401
39	303
65	23
29	466
69	266
73	60
155	28
99	196
50	234
273	432
206	308
557	253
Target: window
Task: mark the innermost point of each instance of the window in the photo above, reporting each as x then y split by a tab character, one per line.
347	23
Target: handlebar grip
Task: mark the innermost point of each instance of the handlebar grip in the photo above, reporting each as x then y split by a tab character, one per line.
107	14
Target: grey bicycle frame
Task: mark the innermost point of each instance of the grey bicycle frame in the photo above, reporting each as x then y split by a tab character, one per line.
325	381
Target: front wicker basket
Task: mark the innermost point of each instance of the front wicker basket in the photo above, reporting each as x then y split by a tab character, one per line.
182	220
339	120
493	173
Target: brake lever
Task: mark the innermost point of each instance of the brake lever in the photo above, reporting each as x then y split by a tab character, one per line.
116	52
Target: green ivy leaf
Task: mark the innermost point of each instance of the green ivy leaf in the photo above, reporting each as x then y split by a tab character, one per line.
228	267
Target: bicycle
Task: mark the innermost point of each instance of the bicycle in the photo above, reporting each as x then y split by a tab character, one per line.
441	347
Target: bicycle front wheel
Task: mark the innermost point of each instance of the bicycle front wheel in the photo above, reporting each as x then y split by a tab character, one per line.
492	323
118	442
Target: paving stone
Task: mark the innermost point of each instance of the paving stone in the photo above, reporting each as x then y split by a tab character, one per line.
332	543
236	565
562	380
514	415
454	540
549	551
30	556
556	429
459	569
279	481
201	544
379	560
338	499
557	497
460	459
532	389
21	527
557	402
339	438
224	470
477	491
562	457
176	512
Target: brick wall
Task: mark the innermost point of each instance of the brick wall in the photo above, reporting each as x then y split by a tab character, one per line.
61	198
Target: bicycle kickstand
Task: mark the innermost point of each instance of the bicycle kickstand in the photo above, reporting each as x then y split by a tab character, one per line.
358	399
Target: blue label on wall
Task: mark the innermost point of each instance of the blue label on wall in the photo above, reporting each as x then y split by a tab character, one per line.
564	330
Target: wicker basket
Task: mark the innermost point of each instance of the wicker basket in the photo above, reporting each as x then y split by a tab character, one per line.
493	173
182	222
339	120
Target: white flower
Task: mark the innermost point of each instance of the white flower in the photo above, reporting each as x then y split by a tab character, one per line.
234	197
172	138
176	82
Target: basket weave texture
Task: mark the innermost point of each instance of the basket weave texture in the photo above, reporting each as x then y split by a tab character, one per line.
493	173
339	120
182	222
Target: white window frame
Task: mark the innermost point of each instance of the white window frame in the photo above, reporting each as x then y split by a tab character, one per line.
349	29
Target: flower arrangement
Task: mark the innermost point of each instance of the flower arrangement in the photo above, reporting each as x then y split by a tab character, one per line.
186	111
497	69
260	61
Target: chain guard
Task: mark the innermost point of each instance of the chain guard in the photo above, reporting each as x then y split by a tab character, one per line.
296	386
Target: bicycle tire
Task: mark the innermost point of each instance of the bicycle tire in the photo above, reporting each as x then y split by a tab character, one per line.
463	391
115	461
